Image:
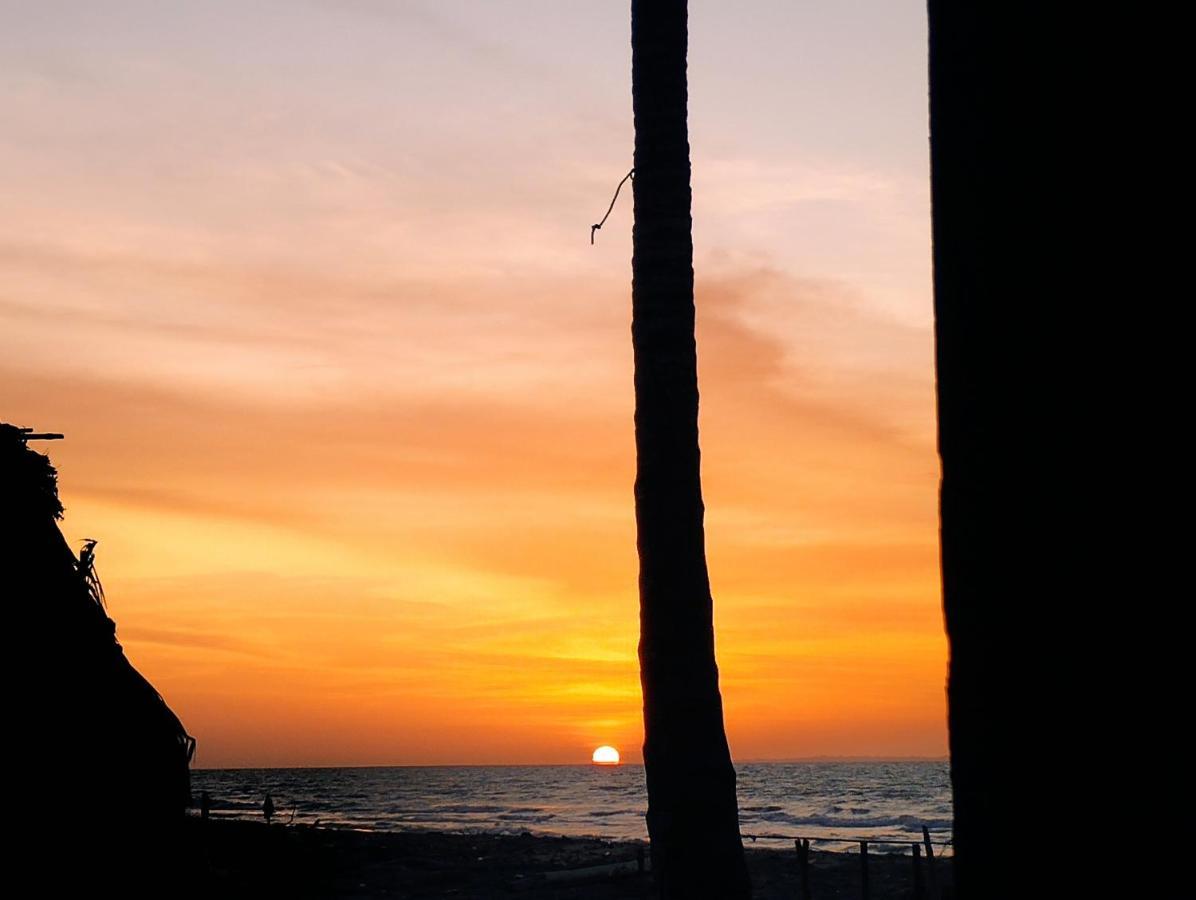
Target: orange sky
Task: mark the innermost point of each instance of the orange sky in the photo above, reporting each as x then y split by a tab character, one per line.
347	393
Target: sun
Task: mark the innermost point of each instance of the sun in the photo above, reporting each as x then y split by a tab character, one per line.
606	756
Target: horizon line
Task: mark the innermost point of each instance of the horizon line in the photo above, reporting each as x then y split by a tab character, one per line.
638	763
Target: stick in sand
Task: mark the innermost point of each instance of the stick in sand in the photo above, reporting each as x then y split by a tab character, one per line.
932	878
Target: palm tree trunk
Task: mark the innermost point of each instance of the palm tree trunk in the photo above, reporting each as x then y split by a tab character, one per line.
693	818
1016	506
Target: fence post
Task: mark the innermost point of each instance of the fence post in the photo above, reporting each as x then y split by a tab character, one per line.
932	878
919	887
864	869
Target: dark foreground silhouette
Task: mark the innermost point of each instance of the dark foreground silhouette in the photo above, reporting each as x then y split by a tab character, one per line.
250	859
1051	570
101	774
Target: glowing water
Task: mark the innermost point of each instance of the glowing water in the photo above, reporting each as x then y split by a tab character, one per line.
850	800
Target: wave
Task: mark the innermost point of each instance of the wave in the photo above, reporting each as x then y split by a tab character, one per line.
908	823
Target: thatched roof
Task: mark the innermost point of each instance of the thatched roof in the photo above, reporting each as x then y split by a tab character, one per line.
99	730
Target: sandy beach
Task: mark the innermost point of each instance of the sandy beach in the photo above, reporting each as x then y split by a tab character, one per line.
228	858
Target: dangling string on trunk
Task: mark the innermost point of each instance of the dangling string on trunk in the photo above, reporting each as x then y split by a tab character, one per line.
594	228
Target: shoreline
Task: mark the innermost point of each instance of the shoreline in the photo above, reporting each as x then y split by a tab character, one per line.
240	858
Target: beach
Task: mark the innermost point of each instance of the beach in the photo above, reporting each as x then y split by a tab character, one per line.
232	858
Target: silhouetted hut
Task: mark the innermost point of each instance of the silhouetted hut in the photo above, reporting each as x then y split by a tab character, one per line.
102	764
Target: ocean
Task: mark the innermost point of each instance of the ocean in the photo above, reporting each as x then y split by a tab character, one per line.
778	801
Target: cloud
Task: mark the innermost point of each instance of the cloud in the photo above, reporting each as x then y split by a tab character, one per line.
443	469
751	186
176	637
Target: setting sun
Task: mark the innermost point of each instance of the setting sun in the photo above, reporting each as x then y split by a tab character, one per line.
606	756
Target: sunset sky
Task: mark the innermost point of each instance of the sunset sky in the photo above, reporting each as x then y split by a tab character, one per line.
347	392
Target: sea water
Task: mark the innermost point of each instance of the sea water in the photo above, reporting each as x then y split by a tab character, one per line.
778	801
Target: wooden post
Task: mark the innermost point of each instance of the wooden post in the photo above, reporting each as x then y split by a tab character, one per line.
919	887
932	880
864	870
803	868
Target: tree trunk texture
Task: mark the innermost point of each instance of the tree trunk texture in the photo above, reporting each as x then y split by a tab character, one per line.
693	818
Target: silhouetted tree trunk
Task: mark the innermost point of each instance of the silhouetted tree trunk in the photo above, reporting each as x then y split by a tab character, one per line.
1014	369
693	817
